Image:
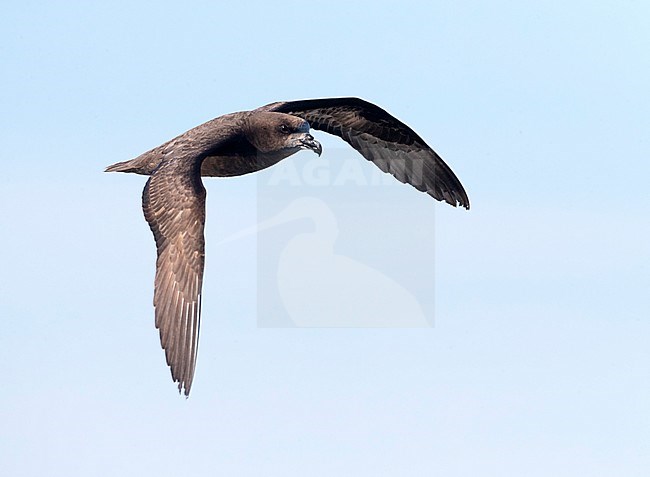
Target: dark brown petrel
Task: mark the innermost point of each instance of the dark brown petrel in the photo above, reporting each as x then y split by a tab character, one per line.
240	143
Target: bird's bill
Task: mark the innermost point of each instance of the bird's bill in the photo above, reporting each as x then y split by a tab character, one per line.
307	141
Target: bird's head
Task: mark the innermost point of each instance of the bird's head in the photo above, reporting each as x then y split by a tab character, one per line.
279	133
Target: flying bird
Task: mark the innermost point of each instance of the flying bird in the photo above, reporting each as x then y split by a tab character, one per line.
239	143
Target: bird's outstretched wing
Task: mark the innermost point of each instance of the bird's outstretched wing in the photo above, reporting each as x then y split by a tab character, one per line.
383	139
174	205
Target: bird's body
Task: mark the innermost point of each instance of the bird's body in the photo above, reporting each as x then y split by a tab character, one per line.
240	143
235	155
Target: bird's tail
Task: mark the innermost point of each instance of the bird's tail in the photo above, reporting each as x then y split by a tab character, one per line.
125	166
144	164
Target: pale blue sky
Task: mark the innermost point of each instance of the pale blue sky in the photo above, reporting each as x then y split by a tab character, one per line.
538	363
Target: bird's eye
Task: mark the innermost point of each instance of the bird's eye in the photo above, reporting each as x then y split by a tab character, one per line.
284	129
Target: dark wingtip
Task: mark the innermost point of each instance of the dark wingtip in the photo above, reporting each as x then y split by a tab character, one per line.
183	389
459	197
453	198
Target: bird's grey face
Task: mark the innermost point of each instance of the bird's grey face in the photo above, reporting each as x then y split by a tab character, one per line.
300	138
278	133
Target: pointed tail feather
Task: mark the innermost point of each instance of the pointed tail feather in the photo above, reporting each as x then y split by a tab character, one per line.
125	166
